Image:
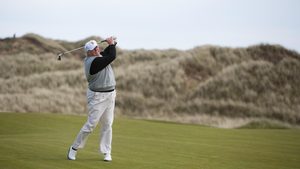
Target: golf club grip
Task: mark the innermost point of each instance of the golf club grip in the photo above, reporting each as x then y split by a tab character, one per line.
106	40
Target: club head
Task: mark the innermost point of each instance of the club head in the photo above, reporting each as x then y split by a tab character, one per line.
59	56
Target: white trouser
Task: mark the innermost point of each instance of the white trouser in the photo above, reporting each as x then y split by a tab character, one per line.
101	107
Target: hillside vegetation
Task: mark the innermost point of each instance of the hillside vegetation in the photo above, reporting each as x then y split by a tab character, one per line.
219	86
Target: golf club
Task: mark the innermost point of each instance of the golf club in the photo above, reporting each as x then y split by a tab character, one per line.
63	53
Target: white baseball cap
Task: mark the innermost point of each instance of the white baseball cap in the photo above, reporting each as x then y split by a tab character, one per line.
90	45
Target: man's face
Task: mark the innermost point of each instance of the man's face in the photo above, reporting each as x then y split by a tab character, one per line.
96	51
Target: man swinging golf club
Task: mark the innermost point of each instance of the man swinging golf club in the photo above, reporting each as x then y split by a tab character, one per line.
100	97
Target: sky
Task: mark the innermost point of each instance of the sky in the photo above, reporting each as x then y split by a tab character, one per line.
157	24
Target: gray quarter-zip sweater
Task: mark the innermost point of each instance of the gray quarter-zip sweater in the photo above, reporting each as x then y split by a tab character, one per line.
98	71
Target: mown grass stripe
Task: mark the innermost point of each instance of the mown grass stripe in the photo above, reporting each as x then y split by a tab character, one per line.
41	141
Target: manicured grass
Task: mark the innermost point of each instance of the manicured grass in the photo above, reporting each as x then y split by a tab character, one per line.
41	141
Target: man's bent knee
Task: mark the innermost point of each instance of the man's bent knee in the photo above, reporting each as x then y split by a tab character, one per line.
88	127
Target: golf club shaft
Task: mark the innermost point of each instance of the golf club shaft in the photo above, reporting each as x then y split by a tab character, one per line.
80	48
62	53
73	50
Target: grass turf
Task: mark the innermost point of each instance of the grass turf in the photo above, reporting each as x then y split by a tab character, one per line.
41	141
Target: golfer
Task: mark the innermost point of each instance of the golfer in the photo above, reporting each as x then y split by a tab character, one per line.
100	97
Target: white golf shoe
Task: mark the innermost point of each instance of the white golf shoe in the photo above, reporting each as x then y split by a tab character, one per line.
72	154
107	157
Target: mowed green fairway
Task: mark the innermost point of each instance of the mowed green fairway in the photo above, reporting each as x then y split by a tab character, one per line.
41	141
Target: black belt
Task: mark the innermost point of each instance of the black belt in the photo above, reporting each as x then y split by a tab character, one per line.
106	91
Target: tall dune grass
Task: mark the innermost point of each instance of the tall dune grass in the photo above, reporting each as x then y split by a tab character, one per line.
211	82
